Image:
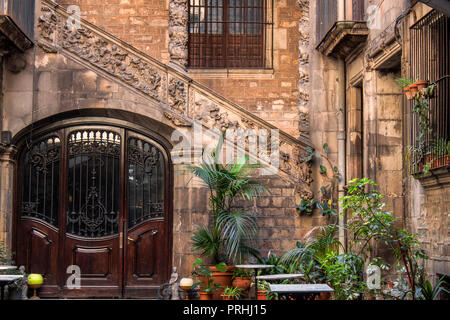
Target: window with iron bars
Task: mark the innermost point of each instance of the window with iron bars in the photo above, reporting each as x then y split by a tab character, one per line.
230	33
430	61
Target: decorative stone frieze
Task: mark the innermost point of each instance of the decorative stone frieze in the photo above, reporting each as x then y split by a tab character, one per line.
177	95
178	32
304	68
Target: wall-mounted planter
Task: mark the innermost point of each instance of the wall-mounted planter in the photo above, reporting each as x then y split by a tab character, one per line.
413	89
421	85
408	94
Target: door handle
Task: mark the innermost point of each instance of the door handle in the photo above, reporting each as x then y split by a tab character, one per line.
130	239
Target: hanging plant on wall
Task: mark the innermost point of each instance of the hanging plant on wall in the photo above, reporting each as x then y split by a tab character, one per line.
325	203
424	155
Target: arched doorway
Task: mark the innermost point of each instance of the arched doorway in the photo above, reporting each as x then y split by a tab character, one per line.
95	196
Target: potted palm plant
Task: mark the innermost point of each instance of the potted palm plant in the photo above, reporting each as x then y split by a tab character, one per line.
230	235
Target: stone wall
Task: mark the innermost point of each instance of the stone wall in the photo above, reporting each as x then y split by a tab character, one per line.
141	23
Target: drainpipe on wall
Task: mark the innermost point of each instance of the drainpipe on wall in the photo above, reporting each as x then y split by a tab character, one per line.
341	97
341	101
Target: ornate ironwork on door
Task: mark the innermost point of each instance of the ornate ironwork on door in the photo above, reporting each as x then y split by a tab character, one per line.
41	180
93	183
145	182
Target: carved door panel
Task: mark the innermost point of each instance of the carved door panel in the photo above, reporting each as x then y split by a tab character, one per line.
38	219
146	263
93	234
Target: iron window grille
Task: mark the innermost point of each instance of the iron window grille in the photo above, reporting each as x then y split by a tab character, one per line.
430	60
230	33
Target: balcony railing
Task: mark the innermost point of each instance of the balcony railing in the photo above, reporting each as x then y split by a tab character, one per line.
430	61
327	14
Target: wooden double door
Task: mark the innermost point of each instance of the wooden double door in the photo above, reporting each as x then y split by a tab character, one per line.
93	212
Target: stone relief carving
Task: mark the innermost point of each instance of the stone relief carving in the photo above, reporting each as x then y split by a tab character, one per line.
177	95
178	32
303	171
101	53
211	116
47	23
177	121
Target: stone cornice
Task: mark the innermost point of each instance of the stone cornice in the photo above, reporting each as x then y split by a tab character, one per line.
343	38
12	37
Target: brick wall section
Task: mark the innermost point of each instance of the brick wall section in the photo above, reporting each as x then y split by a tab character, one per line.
274	99
141	23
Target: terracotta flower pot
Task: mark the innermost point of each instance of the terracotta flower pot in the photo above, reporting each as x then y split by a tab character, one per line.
225	297
262	295
242	283
221	278
422	84
408	93
205	295
413	89
324	296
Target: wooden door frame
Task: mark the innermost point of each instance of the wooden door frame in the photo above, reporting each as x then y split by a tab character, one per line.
49	125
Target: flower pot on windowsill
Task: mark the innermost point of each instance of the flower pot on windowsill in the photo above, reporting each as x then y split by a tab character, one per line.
407	93
241	283
225	297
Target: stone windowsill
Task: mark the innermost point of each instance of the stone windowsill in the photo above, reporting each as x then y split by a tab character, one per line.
231	73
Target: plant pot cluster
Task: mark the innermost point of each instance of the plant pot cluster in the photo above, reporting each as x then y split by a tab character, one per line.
412	90
435	161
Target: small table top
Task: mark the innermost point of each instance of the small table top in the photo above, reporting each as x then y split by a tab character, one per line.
280	276
4	268
254	266
7	278
300	288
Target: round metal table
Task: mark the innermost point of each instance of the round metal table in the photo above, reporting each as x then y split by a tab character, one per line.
255	267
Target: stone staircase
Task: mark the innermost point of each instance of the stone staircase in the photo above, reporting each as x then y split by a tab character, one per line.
182	100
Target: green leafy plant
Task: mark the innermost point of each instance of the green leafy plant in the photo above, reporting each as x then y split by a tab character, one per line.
326	208
325	203
306	207
368	220
404	82
345	273
263	286
426	291
202	271
271	259
230	236
241	273
232	292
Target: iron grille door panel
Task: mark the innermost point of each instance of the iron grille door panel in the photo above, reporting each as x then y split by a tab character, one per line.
93	183
41	180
